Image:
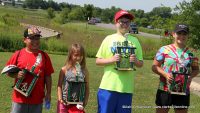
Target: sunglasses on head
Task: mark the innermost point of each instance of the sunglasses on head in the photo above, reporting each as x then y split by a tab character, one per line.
34	37
181	33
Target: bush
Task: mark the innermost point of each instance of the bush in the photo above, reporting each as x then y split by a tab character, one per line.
9	20
10	42
149	47
91	52
55	45
51	13
13	43
43	45
167	41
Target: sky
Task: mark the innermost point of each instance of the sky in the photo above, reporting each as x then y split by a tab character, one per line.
146	5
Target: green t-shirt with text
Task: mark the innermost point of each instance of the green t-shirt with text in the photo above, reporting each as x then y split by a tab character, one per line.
114	80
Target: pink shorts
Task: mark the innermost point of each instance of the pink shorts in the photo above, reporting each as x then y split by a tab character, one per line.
61	108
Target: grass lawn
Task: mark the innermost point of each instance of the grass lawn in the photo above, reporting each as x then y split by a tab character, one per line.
144	94
145	81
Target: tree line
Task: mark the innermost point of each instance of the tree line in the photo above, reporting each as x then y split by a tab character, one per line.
161	17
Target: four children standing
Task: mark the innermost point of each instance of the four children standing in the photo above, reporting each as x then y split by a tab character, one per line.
116	88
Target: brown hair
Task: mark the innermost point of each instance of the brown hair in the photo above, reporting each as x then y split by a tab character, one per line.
76	48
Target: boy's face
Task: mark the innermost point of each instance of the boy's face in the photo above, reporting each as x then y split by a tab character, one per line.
32	43
123	25
180	37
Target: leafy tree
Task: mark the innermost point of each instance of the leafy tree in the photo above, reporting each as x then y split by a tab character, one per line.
157	22
107	14
64	5
97	12
33	4
164	12
137	21
88	11
189	13
144	22
13	2
54	5
76	14
24	6
64	15
50	13
44	5
139	13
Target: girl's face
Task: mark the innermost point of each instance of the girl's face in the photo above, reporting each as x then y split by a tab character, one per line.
32	43
76	57
180	38
123	25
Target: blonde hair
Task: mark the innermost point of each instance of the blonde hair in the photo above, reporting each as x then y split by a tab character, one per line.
73	49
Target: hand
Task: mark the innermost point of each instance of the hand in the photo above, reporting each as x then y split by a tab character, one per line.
116	58
189	79
84	103
169	78
48	97
133	58
62	101
20	74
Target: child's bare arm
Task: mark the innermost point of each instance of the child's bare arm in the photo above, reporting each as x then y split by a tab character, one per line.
48	82
156	68
87	92
59	86
195	71
106	61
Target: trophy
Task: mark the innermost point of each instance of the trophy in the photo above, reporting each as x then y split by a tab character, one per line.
125	50
180	78
23	87
179	83
76	89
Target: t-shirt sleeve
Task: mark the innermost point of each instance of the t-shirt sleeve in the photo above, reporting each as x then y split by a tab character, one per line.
48	66
13	59
102	50
160	54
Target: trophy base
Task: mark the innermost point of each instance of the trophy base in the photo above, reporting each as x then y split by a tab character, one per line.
125	69
20	91
178	93
74	102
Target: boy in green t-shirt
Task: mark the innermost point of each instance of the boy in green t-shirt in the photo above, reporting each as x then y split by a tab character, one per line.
116	88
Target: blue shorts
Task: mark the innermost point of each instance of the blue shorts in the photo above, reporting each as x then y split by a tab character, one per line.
114	102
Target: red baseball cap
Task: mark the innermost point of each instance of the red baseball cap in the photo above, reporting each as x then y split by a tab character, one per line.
123	13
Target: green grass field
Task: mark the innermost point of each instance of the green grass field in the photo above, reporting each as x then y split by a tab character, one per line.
145	81
144	94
